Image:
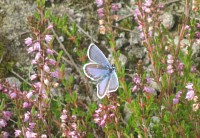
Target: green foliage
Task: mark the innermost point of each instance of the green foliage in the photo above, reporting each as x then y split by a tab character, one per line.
138	114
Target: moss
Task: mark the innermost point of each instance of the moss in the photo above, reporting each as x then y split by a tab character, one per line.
5	62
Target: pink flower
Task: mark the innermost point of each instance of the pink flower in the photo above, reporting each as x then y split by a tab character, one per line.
36	46
141	35
134	88
99	3
49	26
1	87
46	81
170	59
160	6
12	95
175	100
74	117
17	133
198	25
148	3
170	71
37	56
148	89
102	123
49	51
97	120
55	74
26	105
137	13
189	86
2	123
27	116
100	12
98	110
137	79
7	115
112	107
33	77
48	38
112	115
190	95
71	133
193	69
104	117
180	66
30	134
148	79
29	95
5	134
147	10
52	62
32	125
74	126
46	68
37	85
178	95
187	27
33	62
30	50
43	136
115	7
63	117
28	41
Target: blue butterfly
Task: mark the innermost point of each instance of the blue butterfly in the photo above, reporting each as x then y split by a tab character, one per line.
100	71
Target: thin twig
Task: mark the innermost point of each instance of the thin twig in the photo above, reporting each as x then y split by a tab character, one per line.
82	30
20	77
68	55
72	61
63	58
124	17
124	29
15	73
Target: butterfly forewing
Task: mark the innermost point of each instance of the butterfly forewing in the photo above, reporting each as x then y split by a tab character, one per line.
103	87
114	83
97	56
95	71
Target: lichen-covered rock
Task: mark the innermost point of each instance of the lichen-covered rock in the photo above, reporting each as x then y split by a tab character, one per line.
14	28
168	20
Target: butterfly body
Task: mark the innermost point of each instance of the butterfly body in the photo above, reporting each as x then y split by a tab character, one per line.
100	71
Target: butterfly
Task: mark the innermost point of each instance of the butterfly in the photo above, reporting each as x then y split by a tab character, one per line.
100	71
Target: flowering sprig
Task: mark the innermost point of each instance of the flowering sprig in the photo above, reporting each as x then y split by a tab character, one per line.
139	85
105	114
105	12
4	118
177	97
69	125
190	92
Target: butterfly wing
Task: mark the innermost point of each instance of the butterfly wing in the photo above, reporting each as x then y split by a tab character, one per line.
97	56
103	87
95	71
114	83
99	70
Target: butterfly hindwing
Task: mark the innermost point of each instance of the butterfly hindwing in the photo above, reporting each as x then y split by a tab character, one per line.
103	87
114	83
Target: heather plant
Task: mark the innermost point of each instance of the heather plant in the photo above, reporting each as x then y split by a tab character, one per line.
162	101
